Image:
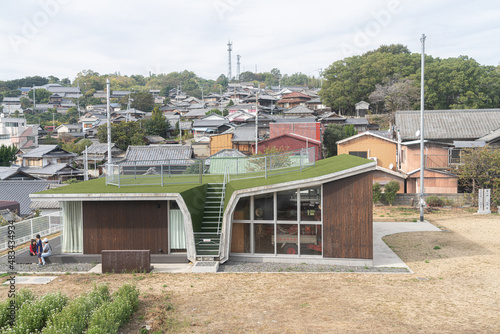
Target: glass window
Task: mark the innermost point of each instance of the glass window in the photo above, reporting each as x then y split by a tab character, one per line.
287	239
240	241
310	240
264	238
362	154
264	207
310	204
242	210
287	205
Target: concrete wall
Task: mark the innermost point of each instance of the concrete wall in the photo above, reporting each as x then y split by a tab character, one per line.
412	199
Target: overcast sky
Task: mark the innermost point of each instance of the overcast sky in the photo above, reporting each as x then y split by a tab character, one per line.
63	37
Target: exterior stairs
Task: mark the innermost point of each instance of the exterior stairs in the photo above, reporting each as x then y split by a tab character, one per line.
208	240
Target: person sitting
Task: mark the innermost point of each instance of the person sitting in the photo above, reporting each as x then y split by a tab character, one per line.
33	247
47	250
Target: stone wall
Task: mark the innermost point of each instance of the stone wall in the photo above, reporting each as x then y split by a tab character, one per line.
459	200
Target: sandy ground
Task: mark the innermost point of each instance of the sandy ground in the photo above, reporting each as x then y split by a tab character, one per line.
455	289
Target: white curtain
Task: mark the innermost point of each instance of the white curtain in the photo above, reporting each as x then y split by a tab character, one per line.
72	237
176	232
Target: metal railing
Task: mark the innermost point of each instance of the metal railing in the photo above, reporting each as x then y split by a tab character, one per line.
177	171
28	229
222	196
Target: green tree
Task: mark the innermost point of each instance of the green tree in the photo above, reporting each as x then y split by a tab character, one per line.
77	146
142	101
333	133
480	169
123	134
26	103
41	95
390	191
157	125
7	155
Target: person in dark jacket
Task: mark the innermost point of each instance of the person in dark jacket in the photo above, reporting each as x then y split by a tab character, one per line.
39	249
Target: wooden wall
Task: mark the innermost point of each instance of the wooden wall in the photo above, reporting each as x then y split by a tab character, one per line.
348	218
125	225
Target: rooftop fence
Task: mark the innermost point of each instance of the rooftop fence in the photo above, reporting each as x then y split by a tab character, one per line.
177	171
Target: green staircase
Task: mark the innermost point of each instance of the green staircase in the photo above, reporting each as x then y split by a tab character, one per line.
208	240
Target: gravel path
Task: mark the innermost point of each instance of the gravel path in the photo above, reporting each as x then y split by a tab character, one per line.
52	267
252	267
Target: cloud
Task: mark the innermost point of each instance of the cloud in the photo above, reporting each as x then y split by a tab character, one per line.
295	36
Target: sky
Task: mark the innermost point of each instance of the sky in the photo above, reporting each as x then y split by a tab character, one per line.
64	37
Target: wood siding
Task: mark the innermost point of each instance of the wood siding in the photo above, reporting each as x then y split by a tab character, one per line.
125	225
348	219
220	142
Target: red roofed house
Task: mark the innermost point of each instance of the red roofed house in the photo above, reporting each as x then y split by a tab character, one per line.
293	99
290	142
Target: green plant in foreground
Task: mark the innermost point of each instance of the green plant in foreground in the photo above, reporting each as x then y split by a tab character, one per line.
32	315
391	189
22	296
111	315
74	317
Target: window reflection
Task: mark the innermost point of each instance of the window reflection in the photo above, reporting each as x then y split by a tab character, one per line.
310	204
264	238
242	210
287	205
264	207
287	239
310	240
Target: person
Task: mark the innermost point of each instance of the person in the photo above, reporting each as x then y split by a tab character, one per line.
47	250
39	249
33	247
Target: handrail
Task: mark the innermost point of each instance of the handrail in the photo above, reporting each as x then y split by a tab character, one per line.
222	200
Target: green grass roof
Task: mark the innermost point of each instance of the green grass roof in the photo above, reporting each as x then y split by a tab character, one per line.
323	167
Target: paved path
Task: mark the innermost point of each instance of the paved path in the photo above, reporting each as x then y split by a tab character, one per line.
383	256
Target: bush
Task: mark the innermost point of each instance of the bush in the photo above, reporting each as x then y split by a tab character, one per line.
391	189
377	193
75	316
111	315
22	296
32	315
434	201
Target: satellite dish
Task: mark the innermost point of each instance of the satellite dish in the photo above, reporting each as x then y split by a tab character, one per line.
391	166
417	134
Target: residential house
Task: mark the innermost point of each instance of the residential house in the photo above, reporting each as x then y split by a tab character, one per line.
293	99
140	158
298	111
304	218
291	142
74	130
15	131
211	124
243	139
97	157
306	127
20	191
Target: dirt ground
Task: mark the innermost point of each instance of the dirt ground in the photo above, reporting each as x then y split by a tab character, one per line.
455	289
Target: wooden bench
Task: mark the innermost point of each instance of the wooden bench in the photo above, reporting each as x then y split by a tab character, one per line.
121	261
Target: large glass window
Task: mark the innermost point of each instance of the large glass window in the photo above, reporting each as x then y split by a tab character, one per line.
240	241
264	238
242	210
282	223
310	204
264	207
287	205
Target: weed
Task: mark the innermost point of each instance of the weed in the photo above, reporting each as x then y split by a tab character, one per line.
437	247
304	305
426	261
164	285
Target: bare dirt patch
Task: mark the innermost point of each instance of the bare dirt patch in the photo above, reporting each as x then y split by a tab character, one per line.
455	288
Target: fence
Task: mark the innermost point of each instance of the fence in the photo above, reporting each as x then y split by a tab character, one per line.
28	229
172	171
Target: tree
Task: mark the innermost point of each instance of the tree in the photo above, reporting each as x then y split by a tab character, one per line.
142	101
157	125
25	103
41	95
396	94
123	134
480	169
77	146
390	191
333	133
7	155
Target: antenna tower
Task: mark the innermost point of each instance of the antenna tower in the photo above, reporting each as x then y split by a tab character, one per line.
229	49
238	57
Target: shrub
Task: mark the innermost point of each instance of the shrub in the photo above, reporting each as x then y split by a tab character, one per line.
75	316
376	192
32	315
434	201
22	296
111	315
391	189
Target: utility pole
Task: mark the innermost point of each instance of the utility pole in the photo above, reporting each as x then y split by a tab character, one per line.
238	58
108	113
422	160
34	98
